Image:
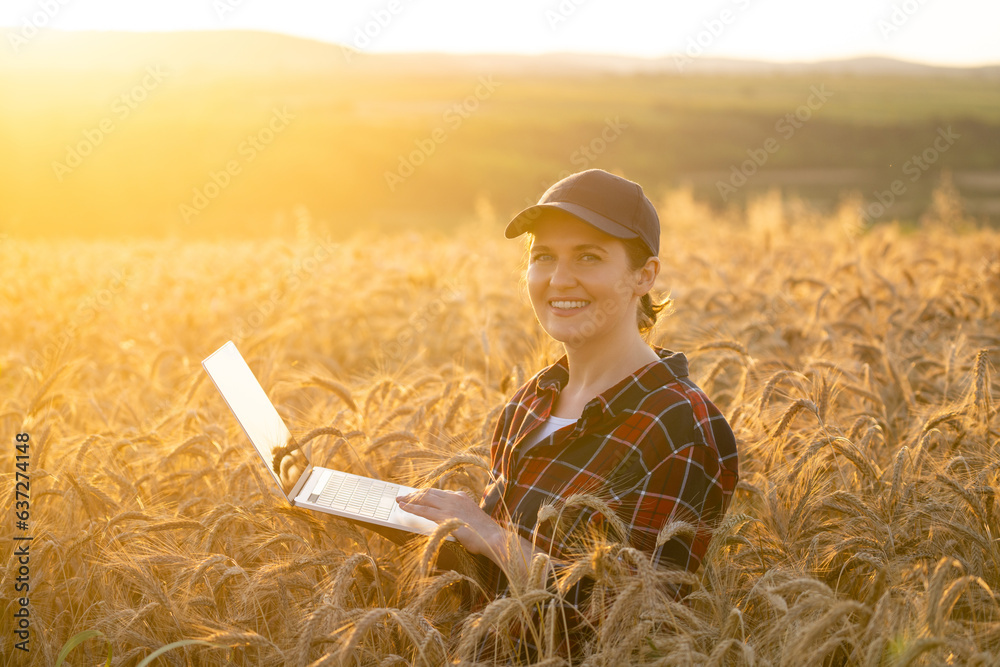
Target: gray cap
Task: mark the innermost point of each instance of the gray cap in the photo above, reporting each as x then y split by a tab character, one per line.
611	203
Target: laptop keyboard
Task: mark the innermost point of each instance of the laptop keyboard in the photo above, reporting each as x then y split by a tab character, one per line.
357	495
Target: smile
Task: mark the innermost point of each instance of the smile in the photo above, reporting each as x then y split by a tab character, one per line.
568	306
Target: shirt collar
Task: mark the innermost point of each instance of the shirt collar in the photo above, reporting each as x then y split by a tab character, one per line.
670	366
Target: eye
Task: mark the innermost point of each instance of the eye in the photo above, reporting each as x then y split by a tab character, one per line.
540	256
591	256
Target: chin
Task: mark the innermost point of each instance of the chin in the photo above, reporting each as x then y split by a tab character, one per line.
566	336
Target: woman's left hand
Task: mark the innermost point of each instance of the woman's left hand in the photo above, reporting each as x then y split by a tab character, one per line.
481	533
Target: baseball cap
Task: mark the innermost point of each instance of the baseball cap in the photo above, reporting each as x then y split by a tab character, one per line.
611	203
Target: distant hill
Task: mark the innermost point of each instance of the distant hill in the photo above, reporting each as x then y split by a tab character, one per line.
207	133
262	53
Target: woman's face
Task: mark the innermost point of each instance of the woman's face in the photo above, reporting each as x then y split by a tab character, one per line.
579	281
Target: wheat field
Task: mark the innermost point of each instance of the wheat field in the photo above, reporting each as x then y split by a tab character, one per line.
856	366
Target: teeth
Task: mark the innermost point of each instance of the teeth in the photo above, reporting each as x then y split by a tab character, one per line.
569	304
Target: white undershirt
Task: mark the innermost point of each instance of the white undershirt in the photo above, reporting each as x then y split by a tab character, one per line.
551	425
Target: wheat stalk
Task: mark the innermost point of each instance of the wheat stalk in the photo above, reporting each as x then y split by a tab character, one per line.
428	556
390	438
790	412
339	390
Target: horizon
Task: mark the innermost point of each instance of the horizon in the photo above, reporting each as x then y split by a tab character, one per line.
776	31
561	52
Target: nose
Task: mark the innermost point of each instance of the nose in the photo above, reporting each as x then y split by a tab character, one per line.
562	274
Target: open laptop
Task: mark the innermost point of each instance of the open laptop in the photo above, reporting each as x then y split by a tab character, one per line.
363	500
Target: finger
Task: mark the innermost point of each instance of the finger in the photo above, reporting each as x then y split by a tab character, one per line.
419	494
416	498
426	510
420	500
430	497
411	508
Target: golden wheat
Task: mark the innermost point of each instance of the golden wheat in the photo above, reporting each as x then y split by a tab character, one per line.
864	533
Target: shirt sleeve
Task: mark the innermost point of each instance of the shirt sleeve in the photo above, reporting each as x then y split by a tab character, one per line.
685	487
489	573
494	487
672	475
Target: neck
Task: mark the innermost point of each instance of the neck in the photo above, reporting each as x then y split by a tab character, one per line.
601	363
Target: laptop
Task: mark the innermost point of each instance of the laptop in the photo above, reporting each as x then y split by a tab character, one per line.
362	500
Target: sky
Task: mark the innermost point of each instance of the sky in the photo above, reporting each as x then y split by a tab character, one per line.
956	32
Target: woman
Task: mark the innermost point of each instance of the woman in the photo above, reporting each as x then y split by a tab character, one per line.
614	417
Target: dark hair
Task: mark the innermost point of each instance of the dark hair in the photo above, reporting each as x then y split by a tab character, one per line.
636	252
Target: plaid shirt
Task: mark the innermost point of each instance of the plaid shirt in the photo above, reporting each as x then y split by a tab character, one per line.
653	447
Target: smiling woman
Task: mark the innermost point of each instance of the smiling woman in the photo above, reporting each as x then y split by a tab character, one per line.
615	419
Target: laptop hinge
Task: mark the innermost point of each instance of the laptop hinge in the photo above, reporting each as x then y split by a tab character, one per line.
299	484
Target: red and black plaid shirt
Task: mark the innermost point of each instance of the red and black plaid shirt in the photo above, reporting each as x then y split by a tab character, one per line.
653	447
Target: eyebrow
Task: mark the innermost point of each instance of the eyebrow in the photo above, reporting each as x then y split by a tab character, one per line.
582	246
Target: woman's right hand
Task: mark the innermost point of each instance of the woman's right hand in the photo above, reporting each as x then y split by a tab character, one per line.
480	534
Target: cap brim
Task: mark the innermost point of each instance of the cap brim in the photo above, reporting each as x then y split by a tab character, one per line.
523	221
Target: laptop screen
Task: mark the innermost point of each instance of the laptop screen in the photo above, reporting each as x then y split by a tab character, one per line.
255	413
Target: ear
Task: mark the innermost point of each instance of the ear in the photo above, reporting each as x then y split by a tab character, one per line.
647	275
